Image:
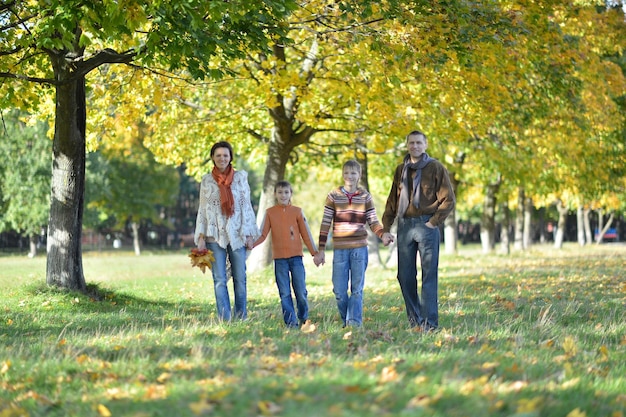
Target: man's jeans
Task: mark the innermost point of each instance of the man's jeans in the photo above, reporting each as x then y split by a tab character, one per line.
413	237
220	280
290	272
349	267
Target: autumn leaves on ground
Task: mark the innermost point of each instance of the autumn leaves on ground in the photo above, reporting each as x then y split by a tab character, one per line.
540	333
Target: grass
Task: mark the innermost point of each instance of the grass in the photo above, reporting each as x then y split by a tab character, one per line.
540	333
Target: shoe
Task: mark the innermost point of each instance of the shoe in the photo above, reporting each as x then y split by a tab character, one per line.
307	327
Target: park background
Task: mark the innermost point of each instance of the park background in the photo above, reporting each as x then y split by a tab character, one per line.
109	110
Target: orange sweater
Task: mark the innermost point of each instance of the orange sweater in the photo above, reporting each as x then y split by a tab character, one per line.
289	228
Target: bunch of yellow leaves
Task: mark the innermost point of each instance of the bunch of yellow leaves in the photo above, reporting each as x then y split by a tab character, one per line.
202	258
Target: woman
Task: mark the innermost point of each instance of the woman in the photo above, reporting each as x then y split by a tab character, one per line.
226	225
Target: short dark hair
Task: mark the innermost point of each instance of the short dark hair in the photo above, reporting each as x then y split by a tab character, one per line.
222	144
283	184
415	133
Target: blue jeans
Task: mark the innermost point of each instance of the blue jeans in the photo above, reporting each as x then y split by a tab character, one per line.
349	267
237	260
290	273
415	237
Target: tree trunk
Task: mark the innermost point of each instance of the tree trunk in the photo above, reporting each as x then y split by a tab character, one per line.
64	263
528	217
561	224
135	228
580	226
519	221
277	158
32	244
587	222
603	228
505	242
542	225
488	220
450	234
286	136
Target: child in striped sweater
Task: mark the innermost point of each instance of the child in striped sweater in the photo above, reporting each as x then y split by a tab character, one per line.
348	209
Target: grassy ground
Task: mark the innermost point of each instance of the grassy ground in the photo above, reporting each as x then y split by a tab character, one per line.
541	333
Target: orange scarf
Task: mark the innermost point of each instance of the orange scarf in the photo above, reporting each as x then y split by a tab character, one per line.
224	181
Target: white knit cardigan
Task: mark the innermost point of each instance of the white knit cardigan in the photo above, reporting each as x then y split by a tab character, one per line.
210	221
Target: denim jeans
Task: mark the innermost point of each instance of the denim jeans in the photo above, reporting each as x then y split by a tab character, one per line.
415	237
349	267
290	273
237	260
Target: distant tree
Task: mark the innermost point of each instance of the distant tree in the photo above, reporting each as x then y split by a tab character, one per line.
24	176
130	188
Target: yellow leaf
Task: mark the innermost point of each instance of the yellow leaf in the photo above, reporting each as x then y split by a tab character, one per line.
527	405
577	413
103	411
268	408
389	374
82	358
569	346
6	365
163	377
201	407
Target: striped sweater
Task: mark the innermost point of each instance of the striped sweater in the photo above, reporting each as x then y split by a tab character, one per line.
348	216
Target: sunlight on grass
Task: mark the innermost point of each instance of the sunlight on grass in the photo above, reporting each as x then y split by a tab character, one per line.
532	334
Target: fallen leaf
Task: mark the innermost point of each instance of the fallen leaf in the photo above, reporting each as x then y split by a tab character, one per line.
103	411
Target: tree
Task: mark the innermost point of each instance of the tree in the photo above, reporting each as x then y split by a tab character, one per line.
24	176
350	70
130	187
59	42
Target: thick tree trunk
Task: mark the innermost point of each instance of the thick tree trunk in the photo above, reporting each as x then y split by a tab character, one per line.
64	262
277	159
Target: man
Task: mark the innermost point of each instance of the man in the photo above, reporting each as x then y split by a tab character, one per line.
421	197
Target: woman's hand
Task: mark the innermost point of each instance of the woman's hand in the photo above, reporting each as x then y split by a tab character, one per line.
249	242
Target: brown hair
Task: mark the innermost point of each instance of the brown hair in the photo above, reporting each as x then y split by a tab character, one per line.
283	184
352	163
416	133
222	144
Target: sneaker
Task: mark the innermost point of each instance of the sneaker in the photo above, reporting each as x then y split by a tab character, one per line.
307	327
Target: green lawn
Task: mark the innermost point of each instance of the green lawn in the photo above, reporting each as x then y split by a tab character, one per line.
541	333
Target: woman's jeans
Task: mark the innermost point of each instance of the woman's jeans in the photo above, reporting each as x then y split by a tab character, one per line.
237	260
290	273
349	267
413	237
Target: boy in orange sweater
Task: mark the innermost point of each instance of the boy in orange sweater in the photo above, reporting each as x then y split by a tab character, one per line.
289	228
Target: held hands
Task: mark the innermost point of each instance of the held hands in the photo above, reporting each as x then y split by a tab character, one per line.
387	238
319	258
249	242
